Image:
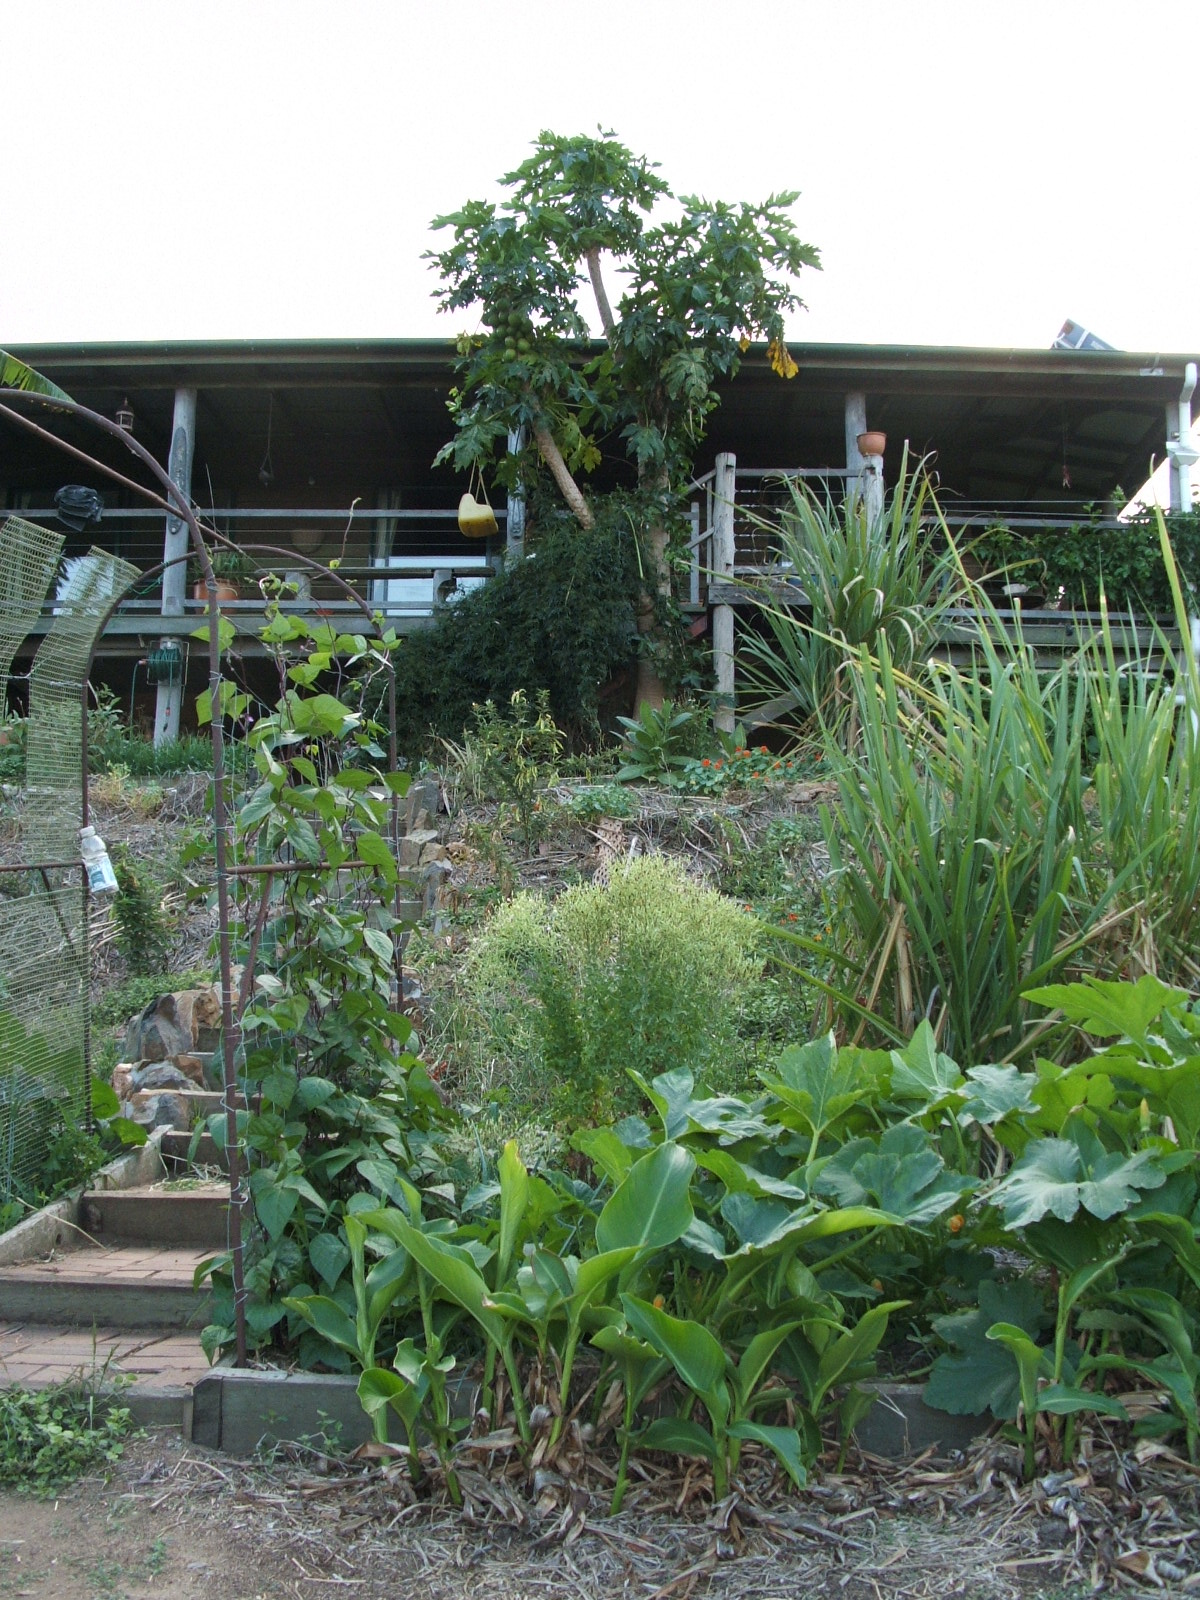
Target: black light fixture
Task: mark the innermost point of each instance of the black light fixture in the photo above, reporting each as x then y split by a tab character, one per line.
124	416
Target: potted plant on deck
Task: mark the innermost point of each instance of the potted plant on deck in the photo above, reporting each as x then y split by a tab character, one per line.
229	568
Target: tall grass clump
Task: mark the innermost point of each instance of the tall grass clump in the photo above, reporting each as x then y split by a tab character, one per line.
999	826
645	972
869	582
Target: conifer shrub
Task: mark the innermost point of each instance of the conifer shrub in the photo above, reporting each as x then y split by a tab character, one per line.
644	973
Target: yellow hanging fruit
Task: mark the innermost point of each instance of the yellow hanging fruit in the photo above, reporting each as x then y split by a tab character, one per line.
474	520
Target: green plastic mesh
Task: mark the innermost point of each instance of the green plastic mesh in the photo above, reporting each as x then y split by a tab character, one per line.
28	556
43	929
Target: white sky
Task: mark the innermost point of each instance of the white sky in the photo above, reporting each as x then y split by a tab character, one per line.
973	172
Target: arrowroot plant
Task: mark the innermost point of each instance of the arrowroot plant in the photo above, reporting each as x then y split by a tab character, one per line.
736	1262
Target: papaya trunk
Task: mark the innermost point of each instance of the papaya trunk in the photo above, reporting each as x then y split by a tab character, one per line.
567	486
657	577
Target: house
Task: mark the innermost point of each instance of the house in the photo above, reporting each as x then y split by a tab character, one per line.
323	450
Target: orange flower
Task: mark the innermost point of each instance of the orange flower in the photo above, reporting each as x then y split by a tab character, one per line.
957	1222
706	762
791	916
719	765
762	750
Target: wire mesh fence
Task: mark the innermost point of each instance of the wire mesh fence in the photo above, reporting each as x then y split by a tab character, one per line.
44	973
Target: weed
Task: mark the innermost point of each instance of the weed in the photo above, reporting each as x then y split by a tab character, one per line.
599	800
116	789
50	1437
143	932
660	740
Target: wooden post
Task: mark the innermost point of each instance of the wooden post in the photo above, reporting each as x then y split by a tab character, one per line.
865	481
724	490
856	423
515	523
168	698
1174	487
694	544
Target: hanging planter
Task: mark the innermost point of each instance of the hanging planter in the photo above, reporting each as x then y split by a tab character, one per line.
476	519
872	443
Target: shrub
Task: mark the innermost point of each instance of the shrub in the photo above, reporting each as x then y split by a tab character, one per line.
562	620
143	932
643	974
1074	565
513	754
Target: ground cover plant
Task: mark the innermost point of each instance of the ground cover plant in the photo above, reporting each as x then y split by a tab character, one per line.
49	1437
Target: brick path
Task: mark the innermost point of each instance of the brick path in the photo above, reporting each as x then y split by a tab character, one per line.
37	1356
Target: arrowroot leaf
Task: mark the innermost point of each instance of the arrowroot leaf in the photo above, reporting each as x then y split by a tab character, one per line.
651	1206
786	1445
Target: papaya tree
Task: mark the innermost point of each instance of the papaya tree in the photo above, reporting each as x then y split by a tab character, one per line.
680	286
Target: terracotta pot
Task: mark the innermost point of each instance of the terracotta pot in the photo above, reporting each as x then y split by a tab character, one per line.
872	443
225	591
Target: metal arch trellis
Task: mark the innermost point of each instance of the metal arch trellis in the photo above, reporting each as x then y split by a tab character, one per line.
177	504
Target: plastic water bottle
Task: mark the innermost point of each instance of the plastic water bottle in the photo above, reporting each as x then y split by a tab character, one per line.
101	877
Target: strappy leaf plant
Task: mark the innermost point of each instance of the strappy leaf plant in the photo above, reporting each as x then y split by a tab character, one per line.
863	581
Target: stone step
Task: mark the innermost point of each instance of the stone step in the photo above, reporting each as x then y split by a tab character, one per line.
175	1147
125	1286
174	1219
199	1102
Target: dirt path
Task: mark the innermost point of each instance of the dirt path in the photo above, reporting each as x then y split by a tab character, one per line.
180	1523
116	1541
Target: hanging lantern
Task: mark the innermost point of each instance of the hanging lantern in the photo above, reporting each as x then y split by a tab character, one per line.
474	520
124	416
